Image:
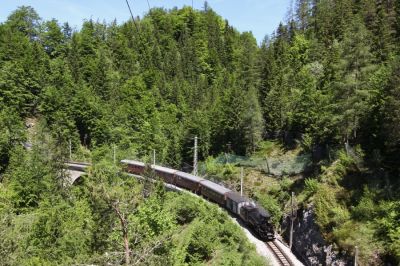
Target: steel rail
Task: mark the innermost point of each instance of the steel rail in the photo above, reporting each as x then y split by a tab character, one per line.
279	253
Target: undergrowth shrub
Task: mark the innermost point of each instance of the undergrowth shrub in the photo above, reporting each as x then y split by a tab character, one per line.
221	172
310	186
351	234
267	148
329	212
336	171
388	224
207	236
366	207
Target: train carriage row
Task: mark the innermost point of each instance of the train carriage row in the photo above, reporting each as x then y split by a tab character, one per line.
241	206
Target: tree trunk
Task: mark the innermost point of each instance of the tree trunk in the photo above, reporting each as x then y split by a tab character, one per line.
124	227
127	250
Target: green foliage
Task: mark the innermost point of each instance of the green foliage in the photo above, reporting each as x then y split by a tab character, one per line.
99	84
201	77
350	234
208	237
253	122
311	186
337	170
329	212
267	148
307	143
366	207
389	226
153	219
31	177
11	134
221	172
24	20
367	223
62	232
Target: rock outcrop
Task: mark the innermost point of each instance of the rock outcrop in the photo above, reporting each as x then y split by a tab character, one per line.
308	243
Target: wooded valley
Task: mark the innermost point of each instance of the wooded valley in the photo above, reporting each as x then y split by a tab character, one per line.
326	83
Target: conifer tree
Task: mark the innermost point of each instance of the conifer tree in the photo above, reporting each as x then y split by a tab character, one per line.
253	122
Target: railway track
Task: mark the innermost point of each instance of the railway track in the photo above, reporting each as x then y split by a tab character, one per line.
280	255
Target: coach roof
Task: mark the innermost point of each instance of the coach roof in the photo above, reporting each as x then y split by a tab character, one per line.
189	176
132	162
163	169
236	197
217	188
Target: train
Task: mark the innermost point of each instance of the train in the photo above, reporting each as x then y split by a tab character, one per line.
253	215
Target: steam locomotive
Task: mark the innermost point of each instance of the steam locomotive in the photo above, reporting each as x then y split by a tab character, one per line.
252	214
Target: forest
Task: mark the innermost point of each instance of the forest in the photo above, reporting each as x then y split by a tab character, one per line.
326	83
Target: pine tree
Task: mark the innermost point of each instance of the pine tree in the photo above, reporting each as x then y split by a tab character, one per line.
353	92
52	38
26	21
392	116
253	122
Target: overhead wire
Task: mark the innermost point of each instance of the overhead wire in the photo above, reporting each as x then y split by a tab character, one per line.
156	43
138	30
142	47
133	19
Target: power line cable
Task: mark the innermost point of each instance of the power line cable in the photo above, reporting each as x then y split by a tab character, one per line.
142	47
156	41
133	19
